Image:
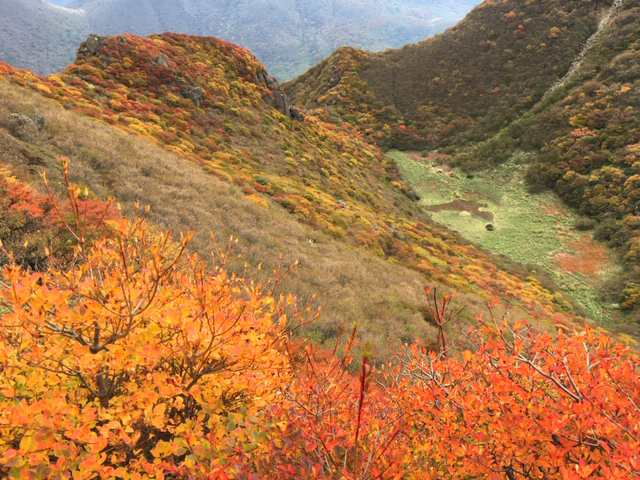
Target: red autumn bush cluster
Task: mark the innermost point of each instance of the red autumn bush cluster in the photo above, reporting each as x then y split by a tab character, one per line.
134	361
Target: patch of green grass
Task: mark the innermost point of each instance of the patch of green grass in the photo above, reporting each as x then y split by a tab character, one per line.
528	228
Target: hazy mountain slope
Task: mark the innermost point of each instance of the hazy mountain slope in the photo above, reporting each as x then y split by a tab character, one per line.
461	85
39	36
324	177
288	35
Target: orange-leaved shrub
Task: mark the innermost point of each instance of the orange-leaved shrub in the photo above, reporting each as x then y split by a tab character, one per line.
133	359
523	404
31	224
137	361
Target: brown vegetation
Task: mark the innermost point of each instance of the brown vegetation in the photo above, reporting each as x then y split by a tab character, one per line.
350	285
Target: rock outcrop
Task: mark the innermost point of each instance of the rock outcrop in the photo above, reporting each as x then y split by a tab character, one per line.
24	127
161	61
196	94
91	46
276	97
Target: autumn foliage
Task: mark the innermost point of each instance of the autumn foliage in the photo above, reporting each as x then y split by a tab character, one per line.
134	359
31	224
458	87
138	361
325	176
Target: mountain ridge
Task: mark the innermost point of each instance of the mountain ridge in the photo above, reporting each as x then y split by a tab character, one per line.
436	97
288	35
326	178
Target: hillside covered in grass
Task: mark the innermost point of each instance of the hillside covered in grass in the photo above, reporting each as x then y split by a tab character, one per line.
297	342
212	103
553	84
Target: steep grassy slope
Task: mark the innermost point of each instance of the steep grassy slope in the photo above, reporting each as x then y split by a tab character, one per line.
211	102
461	85
351	285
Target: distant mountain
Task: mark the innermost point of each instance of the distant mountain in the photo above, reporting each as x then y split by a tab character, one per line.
288	36
39	36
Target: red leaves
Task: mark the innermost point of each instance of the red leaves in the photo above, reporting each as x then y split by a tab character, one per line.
148	357
10	453
526	403
32	224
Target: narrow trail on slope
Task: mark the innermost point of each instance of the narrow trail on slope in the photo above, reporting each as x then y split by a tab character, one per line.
578	60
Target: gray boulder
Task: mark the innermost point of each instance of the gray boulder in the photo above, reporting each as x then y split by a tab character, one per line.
91	46
25	127
161	61
196	94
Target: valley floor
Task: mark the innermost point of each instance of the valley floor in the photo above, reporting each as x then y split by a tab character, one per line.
494	209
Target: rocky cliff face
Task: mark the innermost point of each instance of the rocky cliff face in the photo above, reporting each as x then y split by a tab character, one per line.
276	97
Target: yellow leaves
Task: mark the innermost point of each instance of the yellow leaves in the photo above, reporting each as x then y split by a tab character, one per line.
173	99
43	89
190	461
7	175
157	417
258	200
135	328
467	355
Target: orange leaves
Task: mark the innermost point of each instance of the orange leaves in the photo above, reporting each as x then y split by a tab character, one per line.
207	389
582	132
526	404
130	346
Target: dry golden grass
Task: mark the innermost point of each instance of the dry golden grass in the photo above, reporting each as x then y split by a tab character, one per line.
351	285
